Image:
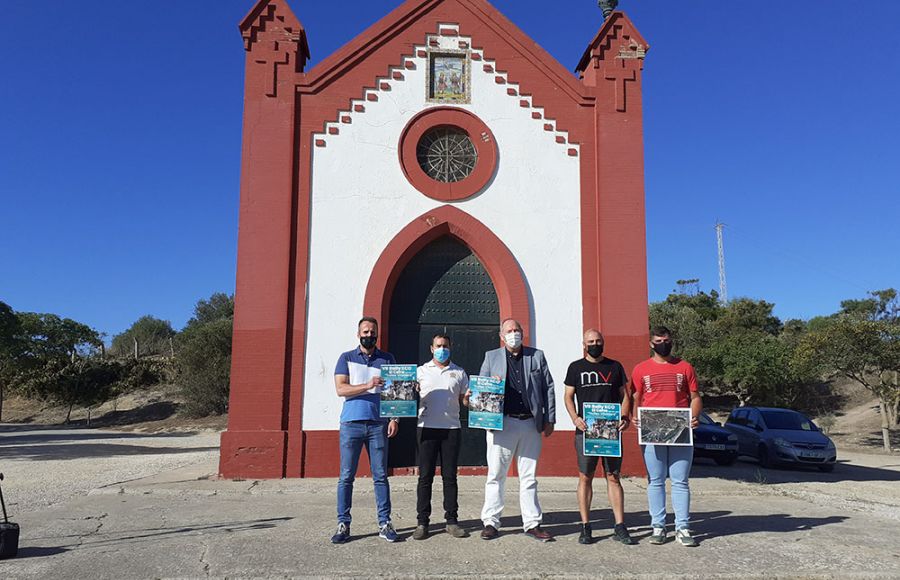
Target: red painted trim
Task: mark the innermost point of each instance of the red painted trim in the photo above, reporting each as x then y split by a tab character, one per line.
478	132
496	258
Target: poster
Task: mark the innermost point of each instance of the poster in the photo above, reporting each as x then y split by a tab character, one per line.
665	426
486	403
398	394
602	436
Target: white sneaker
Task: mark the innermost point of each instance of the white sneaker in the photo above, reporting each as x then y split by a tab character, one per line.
659	536
684	536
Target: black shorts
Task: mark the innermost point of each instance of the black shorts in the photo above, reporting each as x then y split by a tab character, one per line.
587	464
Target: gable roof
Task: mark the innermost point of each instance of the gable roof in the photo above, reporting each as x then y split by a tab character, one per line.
408	13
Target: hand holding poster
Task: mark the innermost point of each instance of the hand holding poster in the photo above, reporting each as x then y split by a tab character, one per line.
398	394
602	436
665	426
486	403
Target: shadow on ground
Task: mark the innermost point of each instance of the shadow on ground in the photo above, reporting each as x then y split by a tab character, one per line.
82	450
123	537
749	471
706	525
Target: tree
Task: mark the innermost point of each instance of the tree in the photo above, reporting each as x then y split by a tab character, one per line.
83	381
219	306
49	337
862	343
740	349
151	336
12	345
203	367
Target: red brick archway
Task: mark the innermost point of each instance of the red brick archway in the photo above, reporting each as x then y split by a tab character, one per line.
501	266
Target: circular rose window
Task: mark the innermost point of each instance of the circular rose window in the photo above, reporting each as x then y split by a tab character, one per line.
448	154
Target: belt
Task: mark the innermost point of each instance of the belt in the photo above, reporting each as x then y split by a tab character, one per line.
522	416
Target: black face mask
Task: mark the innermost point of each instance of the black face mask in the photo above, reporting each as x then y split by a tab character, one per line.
663	348
595	350
368	342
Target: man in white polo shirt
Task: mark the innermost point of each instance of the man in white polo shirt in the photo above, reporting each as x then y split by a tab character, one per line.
442	385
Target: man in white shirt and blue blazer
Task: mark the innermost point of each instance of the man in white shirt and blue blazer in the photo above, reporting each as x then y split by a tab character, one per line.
529	410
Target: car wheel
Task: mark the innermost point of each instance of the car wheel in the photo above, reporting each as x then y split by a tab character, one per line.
763	456
728	460
826	467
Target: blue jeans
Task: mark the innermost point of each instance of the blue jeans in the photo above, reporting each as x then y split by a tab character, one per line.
673	462
372	434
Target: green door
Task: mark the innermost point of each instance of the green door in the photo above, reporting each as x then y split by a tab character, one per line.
444	288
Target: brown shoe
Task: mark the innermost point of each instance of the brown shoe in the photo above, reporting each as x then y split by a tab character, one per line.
456	531
539	534
489	533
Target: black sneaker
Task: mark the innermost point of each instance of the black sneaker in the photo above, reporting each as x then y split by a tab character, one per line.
585	536
342	535
620	533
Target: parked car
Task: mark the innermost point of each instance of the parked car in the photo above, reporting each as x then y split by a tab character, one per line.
781	437
715	442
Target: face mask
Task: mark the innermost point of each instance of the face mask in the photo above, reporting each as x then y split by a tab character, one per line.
513	339
368	342
595	350
441	354
663	348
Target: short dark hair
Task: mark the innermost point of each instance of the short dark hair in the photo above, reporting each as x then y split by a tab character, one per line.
441	335
366	319
661	331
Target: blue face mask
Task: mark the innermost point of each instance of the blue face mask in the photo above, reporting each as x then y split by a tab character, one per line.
441	354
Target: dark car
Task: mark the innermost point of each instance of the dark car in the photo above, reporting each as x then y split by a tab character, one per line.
781	437
714	441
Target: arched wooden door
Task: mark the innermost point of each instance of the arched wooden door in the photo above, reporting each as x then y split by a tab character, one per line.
444	288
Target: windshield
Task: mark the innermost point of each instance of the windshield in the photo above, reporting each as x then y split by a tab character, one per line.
787	420
705	420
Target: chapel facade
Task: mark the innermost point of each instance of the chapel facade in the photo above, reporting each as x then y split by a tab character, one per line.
441	172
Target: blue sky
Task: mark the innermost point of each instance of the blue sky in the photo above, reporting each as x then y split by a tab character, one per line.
120	128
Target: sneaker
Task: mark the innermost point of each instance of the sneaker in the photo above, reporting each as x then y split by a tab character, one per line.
659	536
684	536
585	536
539	534
456	531
388	533
620	534
342	535
421	532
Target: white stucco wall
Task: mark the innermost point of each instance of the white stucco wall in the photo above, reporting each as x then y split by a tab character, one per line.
361	199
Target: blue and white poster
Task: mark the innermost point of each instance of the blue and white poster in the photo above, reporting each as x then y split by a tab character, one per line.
603	437
486	403
398	394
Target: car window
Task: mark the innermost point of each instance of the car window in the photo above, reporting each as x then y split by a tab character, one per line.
738	417
788	420
705	420
753	418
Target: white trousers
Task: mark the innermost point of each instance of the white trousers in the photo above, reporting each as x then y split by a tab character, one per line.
519	438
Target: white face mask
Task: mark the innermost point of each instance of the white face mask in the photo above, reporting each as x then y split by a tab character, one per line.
513	339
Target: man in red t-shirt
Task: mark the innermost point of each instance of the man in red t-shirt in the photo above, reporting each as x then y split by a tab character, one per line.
666	381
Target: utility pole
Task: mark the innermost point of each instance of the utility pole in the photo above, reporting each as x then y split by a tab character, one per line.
723	287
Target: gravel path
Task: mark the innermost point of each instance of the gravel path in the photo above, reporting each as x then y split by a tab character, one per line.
45	466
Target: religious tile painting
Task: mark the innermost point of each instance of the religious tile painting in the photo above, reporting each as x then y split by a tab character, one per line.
448	78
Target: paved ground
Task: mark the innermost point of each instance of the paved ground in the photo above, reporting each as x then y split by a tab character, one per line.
179	523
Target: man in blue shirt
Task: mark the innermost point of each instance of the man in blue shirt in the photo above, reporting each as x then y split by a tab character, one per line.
357	378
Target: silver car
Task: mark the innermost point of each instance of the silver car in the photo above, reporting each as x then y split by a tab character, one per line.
781	437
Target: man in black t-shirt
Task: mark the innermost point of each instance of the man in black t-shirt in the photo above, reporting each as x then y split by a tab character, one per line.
597	379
